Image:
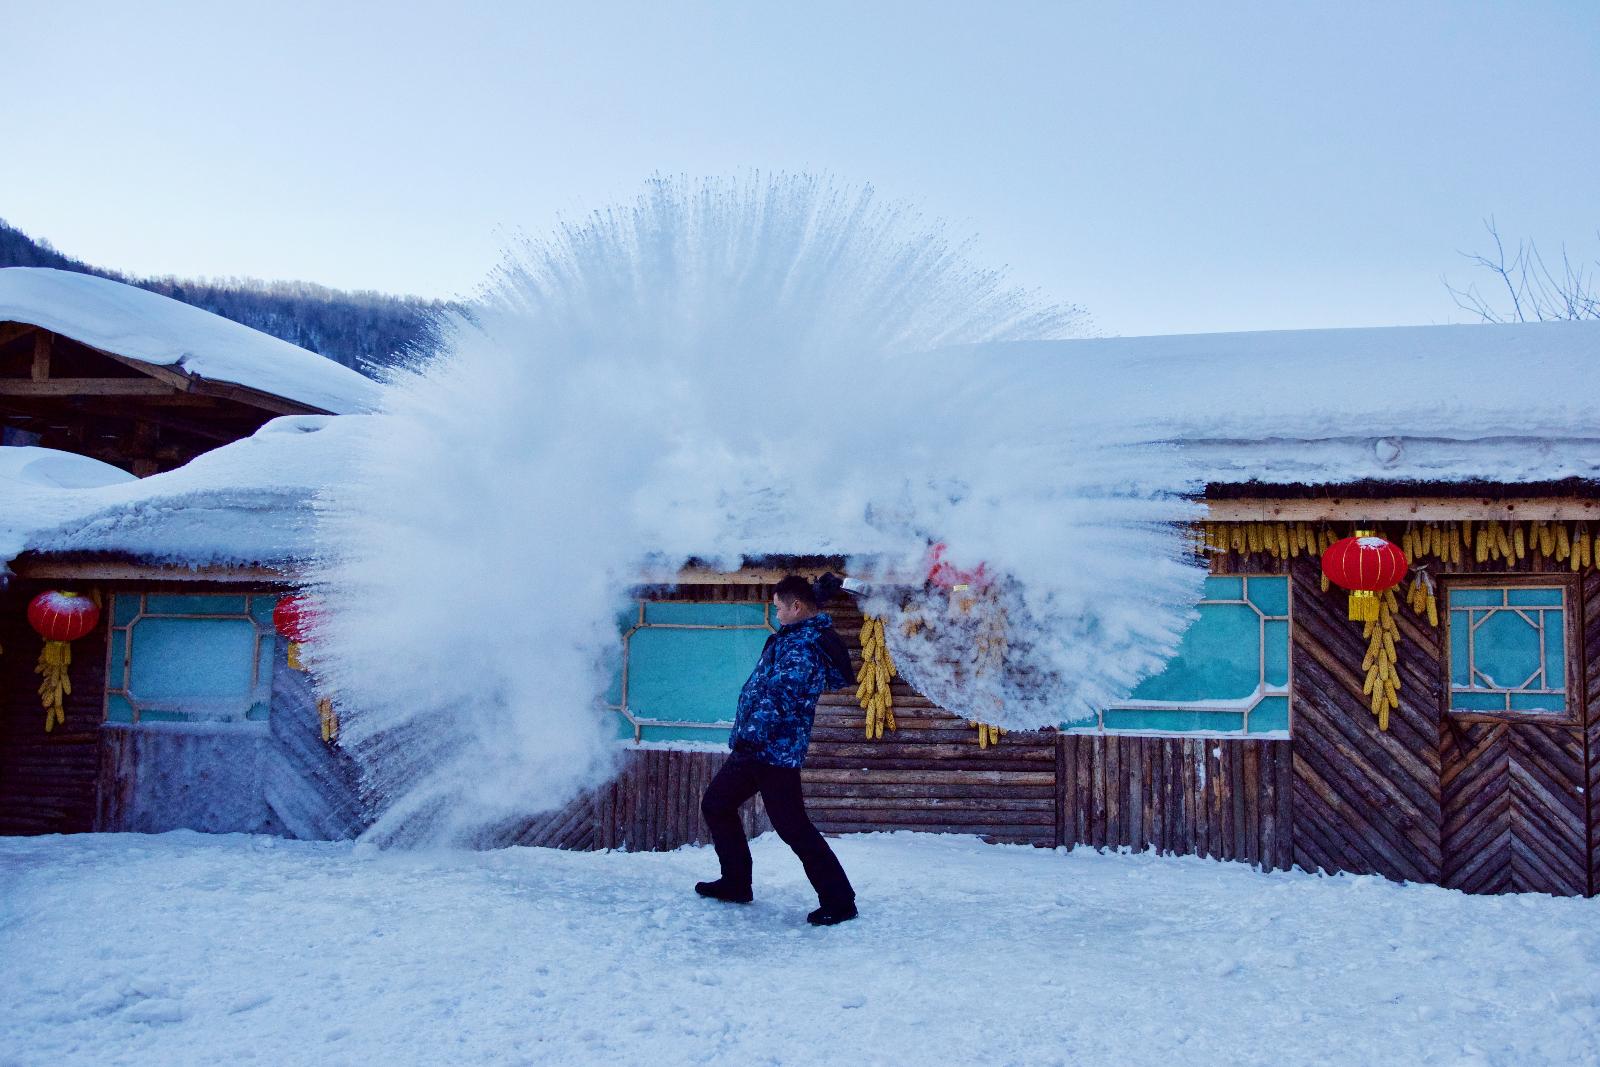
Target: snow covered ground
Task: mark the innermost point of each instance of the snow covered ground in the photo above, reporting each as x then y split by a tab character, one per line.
188	949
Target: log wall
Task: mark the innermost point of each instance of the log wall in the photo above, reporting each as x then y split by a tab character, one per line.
47	780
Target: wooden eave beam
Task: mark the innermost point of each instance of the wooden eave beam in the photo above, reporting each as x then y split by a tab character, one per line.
67	387
239	394
1402	509
121	571
10	331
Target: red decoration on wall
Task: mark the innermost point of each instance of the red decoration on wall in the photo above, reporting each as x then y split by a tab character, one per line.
293	618
60	617
1366	565
946	575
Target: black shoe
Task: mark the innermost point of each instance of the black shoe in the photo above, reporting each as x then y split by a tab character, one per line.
721	890
832	914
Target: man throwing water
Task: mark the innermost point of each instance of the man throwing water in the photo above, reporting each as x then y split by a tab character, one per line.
771	732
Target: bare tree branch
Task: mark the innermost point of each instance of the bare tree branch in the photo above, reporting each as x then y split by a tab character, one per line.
1532	291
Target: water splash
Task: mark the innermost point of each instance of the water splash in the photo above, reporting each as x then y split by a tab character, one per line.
720	368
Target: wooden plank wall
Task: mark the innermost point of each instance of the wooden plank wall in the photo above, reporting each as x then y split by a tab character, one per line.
652	805
1483	807
1227	799
1591	735
1365	800
47	780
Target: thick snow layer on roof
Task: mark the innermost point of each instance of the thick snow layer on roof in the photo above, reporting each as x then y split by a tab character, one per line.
127	321
28	466
247	502
1435	404
1515	380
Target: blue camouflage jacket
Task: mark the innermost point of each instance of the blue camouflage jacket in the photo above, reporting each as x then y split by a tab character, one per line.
779	701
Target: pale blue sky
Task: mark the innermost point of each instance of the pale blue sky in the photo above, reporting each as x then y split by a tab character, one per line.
1173	167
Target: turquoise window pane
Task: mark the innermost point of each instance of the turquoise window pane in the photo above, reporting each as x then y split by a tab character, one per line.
614	687
118	709
198	604
1478	701
1555	650
627	618
1271	595
1224	589
1276	645
123	609
1218	658
261	607
1476	598
624	727
689	675
1505	651
1526	598
713	735
201	666
1460	661
687	613
1552	702
1272	714
1211	721
154	715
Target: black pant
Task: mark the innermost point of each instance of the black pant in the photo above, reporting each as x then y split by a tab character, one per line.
742	778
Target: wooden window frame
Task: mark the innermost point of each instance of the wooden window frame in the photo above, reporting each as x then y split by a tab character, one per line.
641	722
1571	586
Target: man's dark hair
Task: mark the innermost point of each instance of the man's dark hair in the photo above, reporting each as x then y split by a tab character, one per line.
814	594
794	587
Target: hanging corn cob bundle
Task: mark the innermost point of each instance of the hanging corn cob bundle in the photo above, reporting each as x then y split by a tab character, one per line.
329	719
991	657
1381	663
1423	598
873	678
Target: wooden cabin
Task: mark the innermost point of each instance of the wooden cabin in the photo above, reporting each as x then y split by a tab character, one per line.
171	690
141	381
1257	743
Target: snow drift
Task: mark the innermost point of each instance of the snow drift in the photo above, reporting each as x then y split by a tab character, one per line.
718	369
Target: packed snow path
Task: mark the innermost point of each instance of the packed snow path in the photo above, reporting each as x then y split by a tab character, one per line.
187	949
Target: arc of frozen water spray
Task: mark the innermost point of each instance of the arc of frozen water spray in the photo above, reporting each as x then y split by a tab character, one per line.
719	368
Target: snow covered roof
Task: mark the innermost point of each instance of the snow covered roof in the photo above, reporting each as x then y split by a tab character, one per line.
1514	402
248	502
1504	403
131	322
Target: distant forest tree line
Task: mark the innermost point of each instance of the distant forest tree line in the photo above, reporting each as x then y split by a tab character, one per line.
362	330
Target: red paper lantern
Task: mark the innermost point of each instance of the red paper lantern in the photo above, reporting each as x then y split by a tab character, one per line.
60	618
293	618
946	575
58	615
1366	565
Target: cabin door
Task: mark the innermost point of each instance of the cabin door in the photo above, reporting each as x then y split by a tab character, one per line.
1512	758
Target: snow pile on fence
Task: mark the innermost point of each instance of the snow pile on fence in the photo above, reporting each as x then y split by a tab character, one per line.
128	321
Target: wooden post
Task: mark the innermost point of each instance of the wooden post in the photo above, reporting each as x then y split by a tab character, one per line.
41	355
